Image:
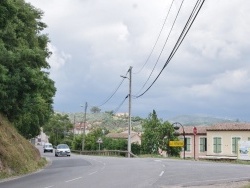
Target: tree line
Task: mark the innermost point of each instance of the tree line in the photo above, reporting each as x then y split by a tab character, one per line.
156	135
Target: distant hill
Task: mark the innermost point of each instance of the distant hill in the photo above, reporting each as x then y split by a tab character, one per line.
189	120
114	123
102	119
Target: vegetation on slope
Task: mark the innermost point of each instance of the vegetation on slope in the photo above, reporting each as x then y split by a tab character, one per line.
26	91
17	155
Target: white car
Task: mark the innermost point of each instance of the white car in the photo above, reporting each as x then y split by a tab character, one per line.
47	147
62	150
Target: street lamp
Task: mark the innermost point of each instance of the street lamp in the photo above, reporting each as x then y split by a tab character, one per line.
176	127
84	126
129	111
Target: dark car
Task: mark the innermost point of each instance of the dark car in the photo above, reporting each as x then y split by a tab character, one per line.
62	150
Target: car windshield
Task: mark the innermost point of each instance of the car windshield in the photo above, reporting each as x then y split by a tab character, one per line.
62	146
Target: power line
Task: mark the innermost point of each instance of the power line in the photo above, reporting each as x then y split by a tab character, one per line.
162	47
113	92
165	20
185	30
118	107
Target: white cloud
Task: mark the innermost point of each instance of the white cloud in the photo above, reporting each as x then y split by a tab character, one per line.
94	42
58	58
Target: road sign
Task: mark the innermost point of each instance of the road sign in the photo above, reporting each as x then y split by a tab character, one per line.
176	143
195	131
99	140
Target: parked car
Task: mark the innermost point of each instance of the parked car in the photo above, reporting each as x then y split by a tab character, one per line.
47	147
62	150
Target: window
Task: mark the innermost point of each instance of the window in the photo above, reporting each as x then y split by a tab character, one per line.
217	144
235	144
187	144
248	138
203	144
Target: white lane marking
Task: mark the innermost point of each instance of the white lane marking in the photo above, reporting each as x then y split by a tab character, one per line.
73	179
157	160
162	172
49	186
92	173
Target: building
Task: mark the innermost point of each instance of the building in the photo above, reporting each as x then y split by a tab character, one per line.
134	136
41	139
216	141
78	128
196	145
223	138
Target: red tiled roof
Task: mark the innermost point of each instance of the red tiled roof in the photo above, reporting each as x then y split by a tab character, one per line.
120	135
189	130
200	129
230	127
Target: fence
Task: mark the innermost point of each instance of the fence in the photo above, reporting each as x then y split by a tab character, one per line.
104	153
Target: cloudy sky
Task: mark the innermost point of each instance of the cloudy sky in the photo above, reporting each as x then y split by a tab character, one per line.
94	42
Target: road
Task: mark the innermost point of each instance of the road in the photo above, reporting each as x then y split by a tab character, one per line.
112	172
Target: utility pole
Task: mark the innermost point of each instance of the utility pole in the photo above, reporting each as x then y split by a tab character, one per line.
84	126
129	112
74	126
129	109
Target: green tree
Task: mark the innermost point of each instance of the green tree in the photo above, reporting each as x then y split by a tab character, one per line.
150	137
26	91
59	129
92	137
95	110
156	135
77	142
111	113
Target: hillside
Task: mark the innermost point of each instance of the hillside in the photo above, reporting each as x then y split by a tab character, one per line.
116	124
189	120
17	155
112	123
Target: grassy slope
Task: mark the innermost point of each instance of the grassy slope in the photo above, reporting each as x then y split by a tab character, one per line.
17	155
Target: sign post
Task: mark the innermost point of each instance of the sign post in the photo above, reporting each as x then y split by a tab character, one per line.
176	143
99	141
195	133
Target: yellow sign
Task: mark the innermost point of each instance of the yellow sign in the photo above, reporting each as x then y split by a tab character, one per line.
176	143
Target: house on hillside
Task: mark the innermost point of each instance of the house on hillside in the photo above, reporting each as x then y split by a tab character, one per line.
78	128
42	138
216	141
134	136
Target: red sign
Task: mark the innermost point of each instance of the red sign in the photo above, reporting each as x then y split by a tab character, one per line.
195	131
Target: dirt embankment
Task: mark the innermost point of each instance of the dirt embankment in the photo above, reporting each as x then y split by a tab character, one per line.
17	155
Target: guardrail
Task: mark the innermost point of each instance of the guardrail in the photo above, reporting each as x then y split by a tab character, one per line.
104	153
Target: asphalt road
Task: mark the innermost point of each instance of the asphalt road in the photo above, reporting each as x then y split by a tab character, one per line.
113	172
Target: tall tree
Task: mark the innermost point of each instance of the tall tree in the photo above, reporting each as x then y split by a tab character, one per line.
150	143
26	91
156	135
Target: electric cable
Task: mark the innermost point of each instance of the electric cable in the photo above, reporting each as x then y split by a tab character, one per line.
180	39
165	20
162	47
118	107
114	91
